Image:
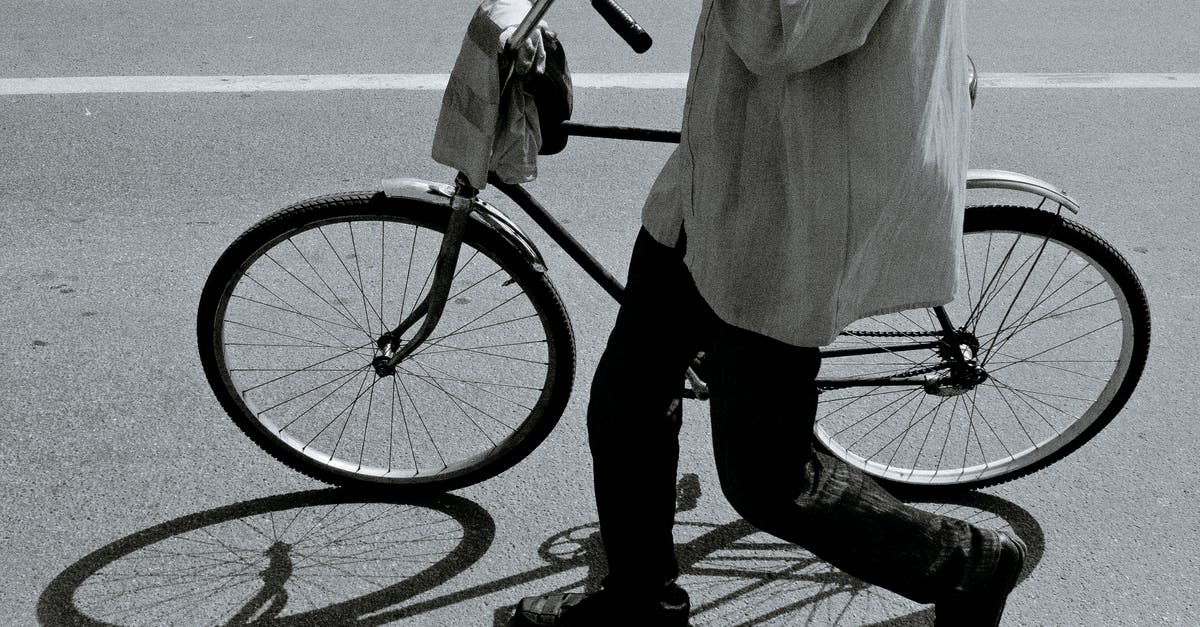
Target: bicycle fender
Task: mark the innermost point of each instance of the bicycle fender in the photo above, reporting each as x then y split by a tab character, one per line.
420	190
1003	179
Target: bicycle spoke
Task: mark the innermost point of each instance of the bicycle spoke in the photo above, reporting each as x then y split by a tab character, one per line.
296	371
1037	394
289	307
336	417
902	400
459	402
382	274
1055	313
424	426
855	399
857	396
1020	289
347	379
904	432
1065	342
985	299
342	262
466	349
344	311
407	431
433	341
1053	365
310	319
362	452
361	283
992	429
486	326
412	250
1016	416
475	386
391	442
1020	324
307	342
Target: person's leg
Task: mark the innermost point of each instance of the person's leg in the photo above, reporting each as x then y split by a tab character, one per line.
763	405
633	431
634	418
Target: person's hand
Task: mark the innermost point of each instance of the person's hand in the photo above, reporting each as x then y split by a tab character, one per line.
530	55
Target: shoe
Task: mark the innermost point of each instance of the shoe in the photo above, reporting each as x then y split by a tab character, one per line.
602	608
983	605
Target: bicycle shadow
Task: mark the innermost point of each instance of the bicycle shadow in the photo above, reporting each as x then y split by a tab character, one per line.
336	556
326	557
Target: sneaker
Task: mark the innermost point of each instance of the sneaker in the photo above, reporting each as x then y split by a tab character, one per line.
575	609
982	606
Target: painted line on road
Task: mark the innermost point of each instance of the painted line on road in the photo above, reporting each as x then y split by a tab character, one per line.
437	82
1013	80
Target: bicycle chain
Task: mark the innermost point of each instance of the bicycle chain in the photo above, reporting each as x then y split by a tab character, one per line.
891	333
900	375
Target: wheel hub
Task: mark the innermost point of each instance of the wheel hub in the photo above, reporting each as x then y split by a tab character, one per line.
383	366
961	377
387	344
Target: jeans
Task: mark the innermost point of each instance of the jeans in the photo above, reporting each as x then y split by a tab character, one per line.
763	404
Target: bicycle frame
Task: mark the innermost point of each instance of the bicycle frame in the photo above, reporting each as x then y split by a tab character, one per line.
464	203
946	340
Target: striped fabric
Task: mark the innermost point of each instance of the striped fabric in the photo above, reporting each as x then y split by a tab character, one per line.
471	136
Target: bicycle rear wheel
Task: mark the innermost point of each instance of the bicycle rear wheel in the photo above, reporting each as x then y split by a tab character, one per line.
1054	315
288	324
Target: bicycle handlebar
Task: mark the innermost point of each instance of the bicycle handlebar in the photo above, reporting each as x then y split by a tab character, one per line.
617	17
627	27
527	25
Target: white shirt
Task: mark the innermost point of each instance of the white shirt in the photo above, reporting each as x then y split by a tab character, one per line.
821	174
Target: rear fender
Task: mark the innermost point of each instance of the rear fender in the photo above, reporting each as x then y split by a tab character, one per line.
1002	179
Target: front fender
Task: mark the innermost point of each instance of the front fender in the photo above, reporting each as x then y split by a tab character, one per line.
1003	179
427	191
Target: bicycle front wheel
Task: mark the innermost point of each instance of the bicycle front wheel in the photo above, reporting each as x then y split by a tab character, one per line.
1055	317
288	324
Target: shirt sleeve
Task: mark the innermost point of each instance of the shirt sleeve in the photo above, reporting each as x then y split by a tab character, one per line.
506	13
791	36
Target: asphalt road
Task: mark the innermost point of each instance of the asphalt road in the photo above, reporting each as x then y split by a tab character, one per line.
129	494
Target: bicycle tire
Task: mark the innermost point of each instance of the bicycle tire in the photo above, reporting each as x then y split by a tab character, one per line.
1049	390
288	320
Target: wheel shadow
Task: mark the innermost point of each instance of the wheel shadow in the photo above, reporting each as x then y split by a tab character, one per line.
339	557
325	557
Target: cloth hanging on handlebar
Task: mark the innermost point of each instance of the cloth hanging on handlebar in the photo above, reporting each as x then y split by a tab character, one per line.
485	127
552	92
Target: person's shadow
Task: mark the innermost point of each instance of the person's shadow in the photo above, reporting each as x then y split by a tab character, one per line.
338	557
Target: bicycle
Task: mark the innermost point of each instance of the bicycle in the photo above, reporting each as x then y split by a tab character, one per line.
1040	350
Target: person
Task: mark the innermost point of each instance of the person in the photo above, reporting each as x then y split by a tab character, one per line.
819	180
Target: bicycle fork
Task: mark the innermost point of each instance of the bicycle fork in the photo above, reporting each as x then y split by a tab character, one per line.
462	203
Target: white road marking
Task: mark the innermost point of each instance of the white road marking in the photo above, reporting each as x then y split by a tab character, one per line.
1012	80
437	82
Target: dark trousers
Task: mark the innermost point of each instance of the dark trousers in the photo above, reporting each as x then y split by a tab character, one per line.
763	405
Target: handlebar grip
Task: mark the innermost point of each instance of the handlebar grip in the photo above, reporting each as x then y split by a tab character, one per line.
624	24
